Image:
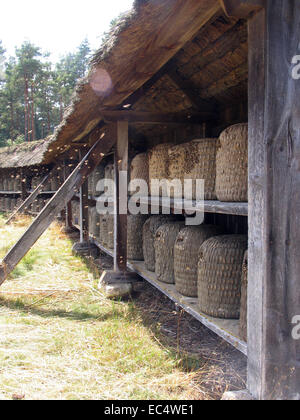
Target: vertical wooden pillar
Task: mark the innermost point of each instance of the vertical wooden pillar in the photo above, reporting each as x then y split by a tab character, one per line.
274	202
121	197
24	185
84	212
68	210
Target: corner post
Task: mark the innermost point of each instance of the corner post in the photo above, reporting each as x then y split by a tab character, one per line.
120	282
121	197
274	203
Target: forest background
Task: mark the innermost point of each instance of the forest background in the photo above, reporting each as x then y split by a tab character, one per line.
34	91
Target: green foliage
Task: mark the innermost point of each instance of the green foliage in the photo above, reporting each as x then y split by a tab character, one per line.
34	92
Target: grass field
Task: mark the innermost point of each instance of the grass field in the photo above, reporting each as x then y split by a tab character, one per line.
60	338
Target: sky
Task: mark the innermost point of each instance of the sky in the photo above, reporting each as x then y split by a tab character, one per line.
57	26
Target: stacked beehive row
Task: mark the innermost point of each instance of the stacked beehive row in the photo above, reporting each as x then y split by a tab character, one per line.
200	261
10	183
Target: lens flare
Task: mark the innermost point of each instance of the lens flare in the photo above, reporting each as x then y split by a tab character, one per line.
101	82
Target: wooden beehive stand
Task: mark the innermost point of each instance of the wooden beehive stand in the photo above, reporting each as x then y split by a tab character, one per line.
273	355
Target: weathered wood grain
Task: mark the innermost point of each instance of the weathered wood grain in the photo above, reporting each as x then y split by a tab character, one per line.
274	202
121	198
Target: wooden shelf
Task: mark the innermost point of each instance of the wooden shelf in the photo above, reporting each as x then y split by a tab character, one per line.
227	329
236	209
10	193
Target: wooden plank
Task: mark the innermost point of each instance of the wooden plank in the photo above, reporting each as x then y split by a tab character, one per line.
157	117
57	203
25	205
84	211
274	202
241	8
24	184
237	209
121	197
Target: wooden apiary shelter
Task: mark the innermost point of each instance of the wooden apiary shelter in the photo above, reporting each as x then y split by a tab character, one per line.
173	71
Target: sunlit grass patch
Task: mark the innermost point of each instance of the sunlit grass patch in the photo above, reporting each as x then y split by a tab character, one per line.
60	338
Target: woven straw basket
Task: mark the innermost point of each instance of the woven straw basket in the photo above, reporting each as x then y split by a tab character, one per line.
219	275
195	160
110	231
159	164
103	234
232	164
139	168
244	306
93	180
93	222
109	171
165	239
149	230
186	255
135	236
75	212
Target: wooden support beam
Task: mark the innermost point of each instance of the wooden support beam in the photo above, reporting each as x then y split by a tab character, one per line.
24	184
142	91
57	203
84	211
192	92
241	8
121	197
274	203
25	205
138	117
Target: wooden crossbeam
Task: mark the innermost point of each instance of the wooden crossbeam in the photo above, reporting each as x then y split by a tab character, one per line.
138	117
192	92
58	201
30	199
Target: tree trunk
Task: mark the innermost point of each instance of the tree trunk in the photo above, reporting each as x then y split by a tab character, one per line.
32	113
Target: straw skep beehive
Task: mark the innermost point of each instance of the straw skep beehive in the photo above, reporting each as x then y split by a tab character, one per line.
232	164
139	168
149	230
165	239
110	230
135	236
93	180
244	297
194	160
159	164
103	235
75	212
186	255
201	164
94	222
219	275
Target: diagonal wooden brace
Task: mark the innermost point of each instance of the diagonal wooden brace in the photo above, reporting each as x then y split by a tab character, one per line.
58	201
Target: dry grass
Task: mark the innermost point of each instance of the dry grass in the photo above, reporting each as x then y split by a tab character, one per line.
61	339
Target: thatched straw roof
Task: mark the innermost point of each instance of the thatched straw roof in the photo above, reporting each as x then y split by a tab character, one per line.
25	154
207	51
139	44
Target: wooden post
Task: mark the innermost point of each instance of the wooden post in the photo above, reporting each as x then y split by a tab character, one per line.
84	212
274	202
121	197
69	223
24	184
68	210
